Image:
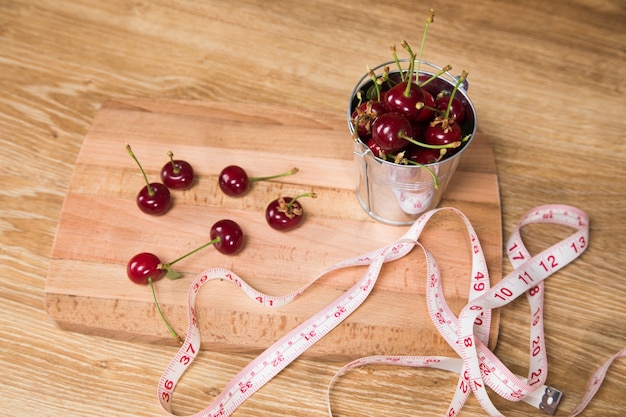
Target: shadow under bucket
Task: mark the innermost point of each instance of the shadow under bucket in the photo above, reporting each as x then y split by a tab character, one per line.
398	194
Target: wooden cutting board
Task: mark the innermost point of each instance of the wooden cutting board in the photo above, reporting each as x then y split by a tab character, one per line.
101	228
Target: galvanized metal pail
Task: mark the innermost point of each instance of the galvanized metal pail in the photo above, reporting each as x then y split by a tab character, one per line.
398	194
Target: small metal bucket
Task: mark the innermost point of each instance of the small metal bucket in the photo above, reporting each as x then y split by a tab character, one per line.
398	194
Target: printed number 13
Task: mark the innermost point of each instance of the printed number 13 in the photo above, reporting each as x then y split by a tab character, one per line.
581	244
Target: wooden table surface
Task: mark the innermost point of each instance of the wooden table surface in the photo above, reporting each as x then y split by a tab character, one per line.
547	79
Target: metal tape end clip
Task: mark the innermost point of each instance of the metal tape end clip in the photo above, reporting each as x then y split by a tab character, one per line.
550	400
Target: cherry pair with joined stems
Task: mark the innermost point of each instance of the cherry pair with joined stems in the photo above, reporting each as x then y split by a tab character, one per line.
226	237
146	268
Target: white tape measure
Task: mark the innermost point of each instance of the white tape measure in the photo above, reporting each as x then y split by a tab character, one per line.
467	334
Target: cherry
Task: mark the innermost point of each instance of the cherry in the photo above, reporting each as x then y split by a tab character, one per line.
423	155
428	108
405	98
234	180
146	268
154	198
457	109
227	237
177	174
443	131
286	213
391	130
376	150
143	267
364	115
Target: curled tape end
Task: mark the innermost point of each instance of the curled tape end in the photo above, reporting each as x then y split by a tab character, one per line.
550	400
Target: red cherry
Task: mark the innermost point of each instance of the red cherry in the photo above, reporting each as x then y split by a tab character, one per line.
364	115
457	109
227	237
286	213
154	198
423	155
376	150
144	266
234	181
177	174
145	269
390	131
445	133
405	98
427	113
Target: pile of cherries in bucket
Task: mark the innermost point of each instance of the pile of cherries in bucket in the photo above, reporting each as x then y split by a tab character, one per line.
411	120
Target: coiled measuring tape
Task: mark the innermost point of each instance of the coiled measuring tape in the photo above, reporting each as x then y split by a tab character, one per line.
467	334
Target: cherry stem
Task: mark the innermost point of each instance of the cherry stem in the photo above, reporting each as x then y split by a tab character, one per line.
374	79
293	200
421	105
450	145
145	177
430	171
175	168
158	307
397	61
359	95
400	159
459	81
284	174
407	90
441	71
385	78
429	20
167	266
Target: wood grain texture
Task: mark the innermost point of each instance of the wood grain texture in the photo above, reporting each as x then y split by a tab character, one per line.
546	79
100	228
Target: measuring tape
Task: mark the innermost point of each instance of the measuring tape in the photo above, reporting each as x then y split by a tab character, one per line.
467	334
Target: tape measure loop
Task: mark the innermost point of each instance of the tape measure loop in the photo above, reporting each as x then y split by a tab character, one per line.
467	334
